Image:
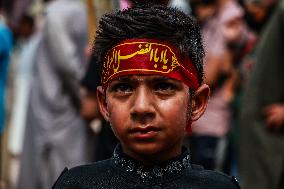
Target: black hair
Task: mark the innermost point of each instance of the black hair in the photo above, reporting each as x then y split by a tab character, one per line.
156	22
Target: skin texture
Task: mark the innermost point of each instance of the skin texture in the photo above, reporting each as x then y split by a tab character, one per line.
149	114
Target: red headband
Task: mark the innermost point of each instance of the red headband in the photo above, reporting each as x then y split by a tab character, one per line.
148	57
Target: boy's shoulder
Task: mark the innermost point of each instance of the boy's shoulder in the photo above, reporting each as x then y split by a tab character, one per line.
76	176
212	179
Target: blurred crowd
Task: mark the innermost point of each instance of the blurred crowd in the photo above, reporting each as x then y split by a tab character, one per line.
49	116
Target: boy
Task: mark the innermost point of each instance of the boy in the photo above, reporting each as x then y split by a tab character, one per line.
151	90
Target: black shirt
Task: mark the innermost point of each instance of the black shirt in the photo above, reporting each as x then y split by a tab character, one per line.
121	172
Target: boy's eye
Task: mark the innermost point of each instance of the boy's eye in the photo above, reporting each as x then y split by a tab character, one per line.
122	88
165	87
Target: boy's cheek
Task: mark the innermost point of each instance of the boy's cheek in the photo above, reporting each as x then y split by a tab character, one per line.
118	114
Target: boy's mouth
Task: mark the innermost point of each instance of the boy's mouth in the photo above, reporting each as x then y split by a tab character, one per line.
146	132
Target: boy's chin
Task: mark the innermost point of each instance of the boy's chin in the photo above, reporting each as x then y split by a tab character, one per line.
144	148
151	152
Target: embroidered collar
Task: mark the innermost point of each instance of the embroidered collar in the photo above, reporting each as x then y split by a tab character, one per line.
171	168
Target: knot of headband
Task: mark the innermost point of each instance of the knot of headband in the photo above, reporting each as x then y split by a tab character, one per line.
148	57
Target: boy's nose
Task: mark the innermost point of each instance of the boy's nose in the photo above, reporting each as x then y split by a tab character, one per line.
143	109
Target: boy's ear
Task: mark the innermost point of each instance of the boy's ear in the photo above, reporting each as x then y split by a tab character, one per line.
101	96
199	102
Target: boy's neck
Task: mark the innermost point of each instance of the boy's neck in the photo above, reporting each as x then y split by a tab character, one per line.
150	160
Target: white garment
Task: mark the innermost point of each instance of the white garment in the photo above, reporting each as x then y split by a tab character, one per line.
23	74
56	136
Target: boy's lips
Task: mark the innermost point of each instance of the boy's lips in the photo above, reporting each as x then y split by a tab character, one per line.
146	132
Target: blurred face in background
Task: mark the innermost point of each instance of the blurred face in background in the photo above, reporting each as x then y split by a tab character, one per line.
233	29
203	9
203	12
257	13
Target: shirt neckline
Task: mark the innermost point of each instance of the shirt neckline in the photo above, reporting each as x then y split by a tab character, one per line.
167	171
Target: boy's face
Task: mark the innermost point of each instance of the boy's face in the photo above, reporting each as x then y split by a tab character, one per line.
148	114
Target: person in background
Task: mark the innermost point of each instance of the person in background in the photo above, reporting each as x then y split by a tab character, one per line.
221	26
105	140
20	75
203	10
20	78
6	43
258	13
261	142
54	126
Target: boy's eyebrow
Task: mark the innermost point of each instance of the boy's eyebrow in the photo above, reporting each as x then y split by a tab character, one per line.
160	78
124	78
